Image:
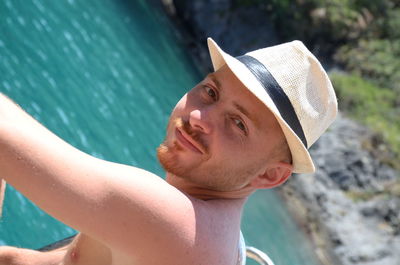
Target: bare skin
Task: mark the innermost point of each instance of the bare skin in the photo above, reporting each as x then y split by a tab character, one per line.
130	216
2	192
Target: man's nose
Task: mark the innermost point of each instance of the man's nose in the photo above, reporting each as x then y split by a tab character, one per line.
199	121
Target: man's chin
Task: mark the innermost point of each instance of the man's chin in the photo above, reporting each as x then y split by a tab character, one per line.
168	159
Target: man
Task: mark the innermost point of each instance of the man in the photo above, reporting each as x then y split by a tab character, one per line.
244	127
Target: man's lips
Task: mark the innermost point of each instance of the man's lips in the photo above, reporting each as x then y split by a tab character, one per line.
188	141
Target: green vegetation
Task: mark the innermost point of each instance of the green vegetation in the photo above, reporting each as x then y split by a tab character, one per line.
374	107
376	60
388	192
362	195
362	38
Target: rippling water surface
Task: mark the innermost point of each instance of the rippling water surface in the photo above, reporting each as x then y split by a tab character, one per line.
104	75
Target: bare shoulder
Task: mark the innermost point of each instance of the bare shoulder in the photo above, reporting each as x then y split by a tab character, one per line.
215	235
179	228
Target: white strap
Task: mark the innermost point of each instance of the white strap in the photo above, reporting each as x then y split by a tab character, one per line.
242	250
2	191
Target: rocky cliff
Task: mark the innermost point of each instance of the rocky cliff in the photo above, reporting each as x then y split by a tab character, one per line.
351	206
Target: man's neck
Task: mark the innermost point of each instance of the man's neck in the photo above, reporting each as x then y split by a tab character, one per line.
205	193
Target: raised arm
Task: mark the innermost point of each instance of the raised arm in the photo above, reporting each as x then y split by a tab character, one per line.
120	205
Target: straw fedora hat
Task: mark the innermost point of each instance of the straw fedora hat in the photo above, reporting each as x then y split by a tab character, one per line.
292	84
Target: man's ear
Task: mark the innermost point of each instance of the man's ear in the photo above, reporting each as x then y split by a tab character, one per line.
273	176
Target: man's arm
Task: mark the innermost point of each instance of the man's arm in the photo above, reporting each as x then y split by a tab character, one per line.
122	206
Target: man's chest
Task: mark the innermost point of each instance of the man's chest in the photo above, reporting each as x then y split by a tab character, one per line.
85	250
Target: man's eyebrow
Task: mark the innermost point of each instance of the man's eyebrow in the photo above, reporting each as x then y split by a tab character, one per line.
237	105
215	80
245	112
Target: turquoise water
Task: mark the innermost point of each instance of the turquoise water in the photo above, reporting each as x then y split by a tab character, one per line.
104	75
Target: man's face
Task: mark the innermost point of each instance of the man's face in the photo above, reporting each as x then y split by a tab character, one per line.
219	135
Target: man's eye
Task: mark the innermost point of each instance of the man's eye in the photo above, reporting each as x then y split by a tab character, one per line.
211	92
240	124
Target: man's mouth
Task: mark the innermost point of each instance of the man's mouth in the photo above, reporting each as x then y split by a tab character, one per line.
187	141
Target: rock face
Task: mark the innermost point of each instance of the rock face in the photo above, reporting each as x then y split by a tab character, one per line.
351	206
365	229
223	21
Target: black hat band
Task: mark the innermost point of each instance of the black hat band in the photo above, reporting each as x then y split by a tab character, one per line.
276	93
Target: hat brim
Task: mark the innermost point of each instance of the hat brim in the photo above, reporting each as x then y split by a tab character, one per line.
301	159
